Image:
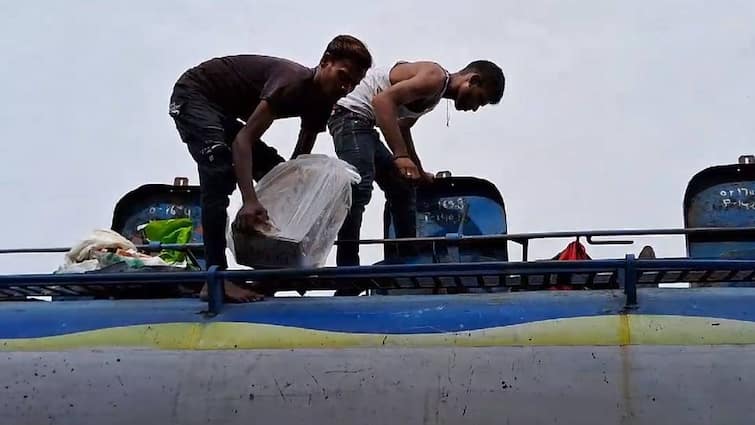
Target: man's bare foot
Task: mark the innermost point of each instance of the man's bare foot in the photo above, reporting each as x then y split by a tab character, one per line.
234	293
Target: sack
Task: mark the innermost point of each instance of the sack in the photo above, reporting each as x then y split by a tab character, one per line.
307	200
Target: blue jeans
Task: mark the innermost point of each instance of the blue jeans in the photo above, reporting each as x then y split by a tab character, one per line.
358	143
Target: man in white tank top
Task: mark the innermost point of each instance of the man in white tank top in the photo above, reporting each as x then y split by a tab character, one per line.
393	99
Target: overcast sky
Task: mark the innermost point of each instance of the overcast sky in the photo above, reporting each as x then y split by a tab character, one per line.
610	106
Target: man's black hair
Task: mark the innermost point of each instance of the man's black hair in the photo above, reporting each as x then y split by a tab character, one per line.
346	47
492	78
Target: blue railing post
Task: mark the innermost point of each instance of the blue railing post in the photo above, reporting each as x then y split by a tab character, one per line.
453	239
630	280
215	290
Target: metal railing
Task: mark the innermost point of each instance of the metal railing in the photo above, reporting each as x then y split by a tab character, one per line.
457	239
624	274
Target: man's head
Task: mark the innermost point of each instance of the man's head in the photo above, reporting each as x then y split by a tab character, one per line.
480	83
343	65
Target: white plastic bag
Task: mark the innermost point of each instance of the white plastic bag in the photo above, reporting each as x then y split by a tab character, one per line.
98	240
307	200
91	253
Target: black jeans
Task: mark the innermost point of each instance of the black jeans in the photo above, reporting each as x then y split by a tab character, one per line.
358	143
209	133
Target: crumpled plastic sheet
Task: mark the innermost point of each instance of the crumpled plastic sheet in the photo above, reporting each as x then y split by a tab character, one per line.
307	200
93	253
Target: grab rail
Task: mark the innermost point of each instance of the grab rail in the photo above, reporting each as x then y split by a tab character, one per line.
624	274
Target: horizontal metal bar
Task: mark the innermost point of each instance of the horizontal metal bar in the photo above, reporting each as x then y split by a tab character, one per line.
147	248
389	275
590	240
440	269
380	271
82	279
519	237
689	264
33	250
515	237
403	270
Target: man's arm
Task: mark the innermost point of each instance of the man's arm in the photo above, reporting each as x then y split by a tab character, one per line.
426	83
406	132
305	143
252	213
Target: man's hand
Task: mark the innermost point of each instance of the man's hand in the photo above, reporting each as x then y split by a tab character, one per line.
252	217
406	131
407	168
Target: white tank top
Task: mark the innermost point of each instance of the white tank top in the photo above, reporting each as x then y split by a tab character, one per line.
375	81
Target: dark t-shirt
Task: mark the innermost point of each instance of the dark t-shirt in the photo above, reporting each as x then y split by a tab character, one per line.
236	85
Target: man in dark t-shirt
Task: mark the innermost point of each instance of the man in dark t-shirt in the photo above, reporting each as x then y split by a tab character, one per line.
210	100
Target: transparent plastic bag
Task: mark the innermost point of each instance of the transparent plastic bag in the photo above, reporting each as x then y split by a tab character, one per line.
307	200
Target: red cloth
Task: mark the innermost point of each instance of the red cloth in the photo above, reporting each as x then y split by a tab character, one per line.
573	251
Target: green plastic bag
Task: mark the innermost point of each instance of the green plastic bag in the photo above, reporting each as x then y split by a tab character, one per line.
172	231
